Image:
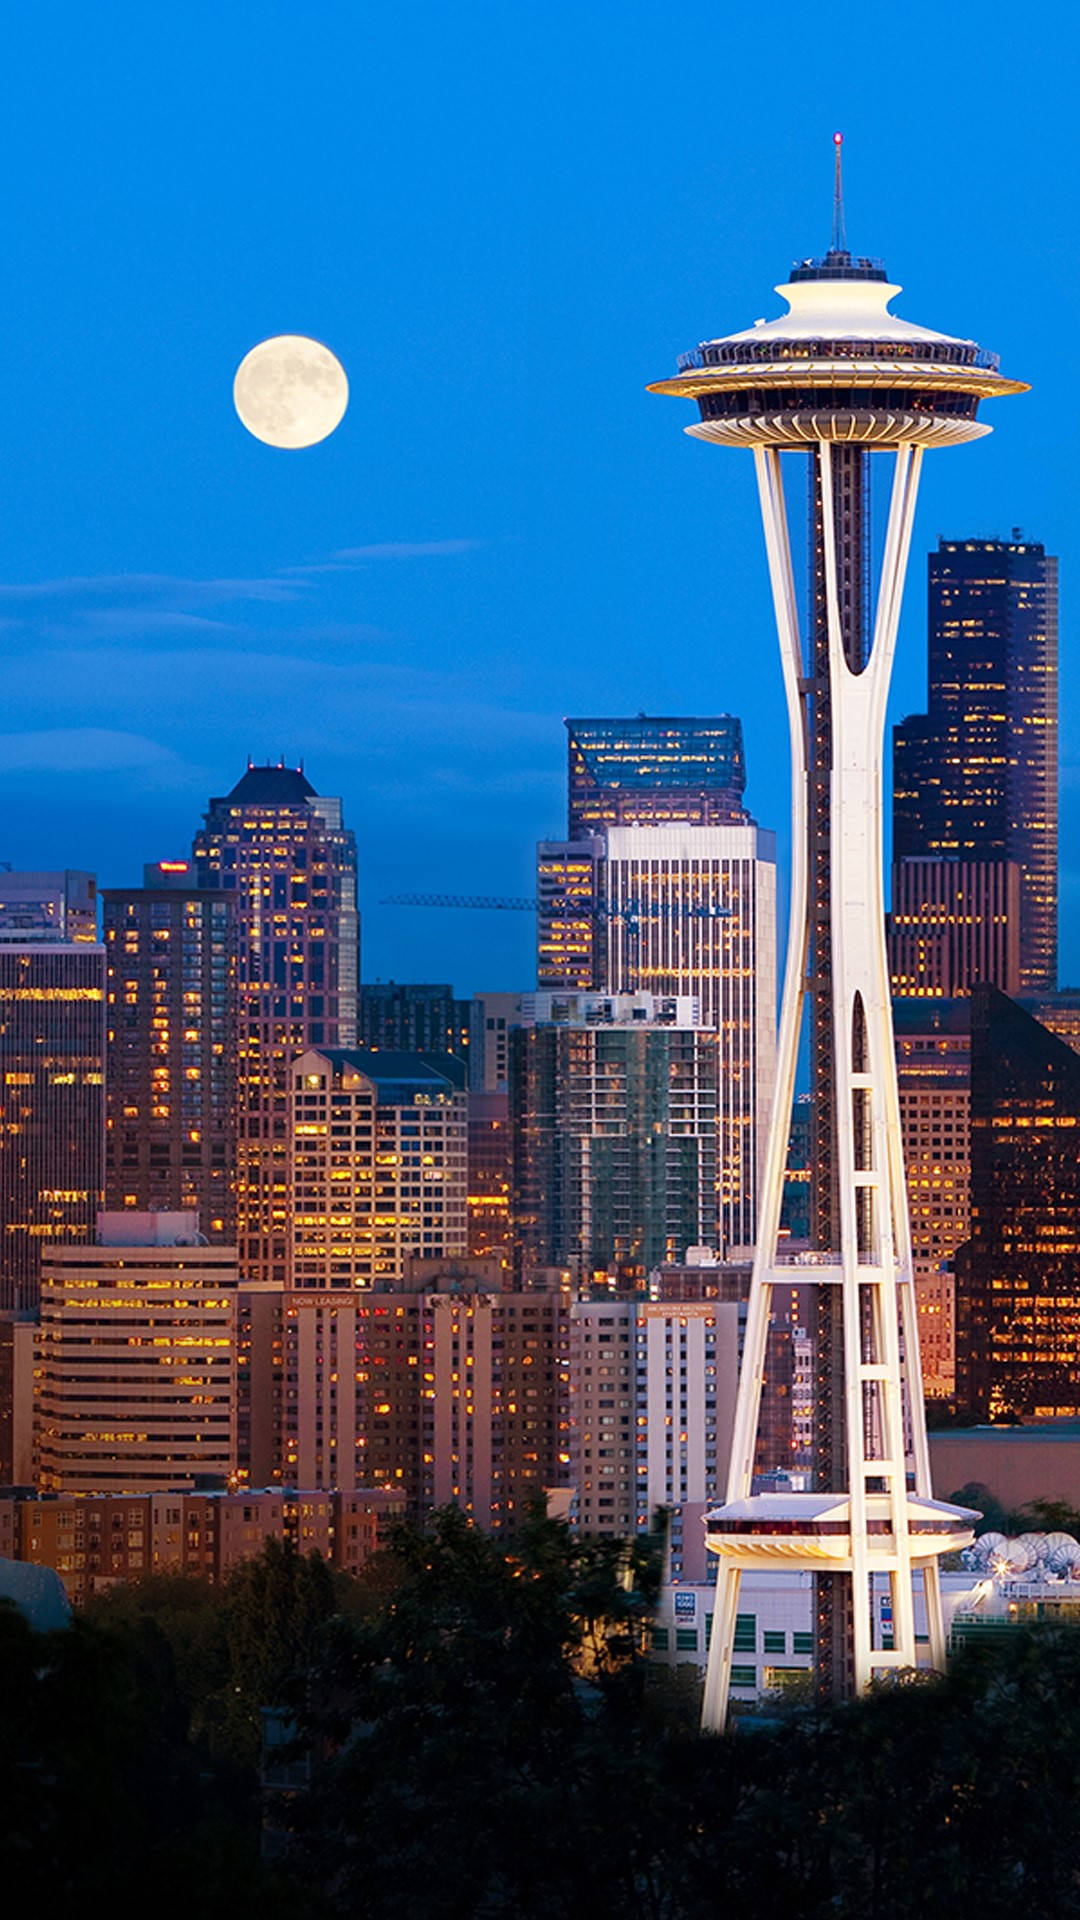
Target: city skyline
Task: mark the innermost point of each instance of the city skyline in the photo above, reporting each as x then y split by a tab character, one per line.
413	607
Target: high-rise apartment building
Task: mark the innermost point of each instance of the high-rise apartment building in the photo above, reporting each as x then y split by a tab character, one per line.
52	1105
1017	1285
136	1374
444	1387
687	1376
614	1104
379	1165
975	777
281	849
171	1062
602	1414
492	1400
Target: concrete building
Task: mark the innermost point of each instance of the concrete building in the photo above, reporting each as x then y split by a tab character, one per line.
602	1415
444	1388
52	1105
493	1017
171	1078
283	852
136	1383
687	1377
492	1402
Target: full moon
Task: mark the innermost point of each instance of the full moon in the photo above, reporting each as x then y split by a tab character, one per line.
290	391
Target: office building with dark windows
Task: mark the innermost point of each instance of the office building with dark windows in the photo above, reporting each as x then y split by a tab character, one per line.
954	922
283	852
407	1017
1018	1276
975	777
171	1061
52	1105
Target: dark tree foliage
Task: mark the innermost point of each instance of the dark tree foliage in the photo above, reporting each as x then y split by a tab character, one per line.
483	1738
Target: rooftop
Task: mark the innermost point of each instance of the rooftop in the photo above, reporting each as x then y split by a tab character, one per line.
270	786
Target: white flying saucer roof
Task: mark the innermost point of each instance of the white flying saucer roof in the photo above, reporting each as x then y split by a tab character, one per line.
839	310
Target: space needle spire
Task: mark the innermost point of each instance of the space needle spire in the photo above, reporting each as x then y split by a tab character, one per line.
835	384
839	240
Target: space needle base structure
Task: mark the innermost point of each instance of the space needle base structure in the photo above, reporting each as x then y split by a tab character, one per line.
839	380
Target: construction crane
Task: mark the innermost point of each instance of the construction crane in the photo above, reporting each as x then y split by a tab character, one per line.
497	902
592	910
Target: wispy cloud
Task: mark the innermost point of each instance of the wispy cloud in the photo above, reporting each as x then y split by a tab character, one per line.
82	750
407	550
153	590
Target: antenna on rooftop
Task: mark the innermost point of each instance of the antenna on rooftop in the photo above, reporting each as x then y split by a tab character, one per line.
839	239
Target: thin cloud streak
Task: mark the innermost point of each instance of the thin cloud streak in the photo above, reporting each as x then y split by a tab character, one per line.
83	750
408	550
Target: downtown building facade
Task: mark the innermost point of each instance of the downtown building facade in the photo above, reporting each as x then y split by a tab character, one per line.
52	1105
135	1382
666	886
283	854
614	1104
446	1386
1018	1275
171	1065
933	1071
975	777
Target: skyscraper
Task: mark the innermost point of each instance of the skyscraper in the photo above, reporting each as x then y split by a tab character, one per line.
975	777
834	378
171	1065
667	886
281	849
1017	1284
52	1105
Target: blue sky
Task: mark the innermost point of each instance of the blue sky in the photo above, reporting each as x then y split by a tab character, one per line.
505	219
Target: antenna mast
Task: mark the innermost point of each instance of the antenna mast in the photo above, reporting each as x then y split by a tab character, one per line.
839	239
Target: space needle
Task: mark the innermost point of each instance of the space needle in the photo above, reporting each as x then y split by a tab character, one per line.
840	387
